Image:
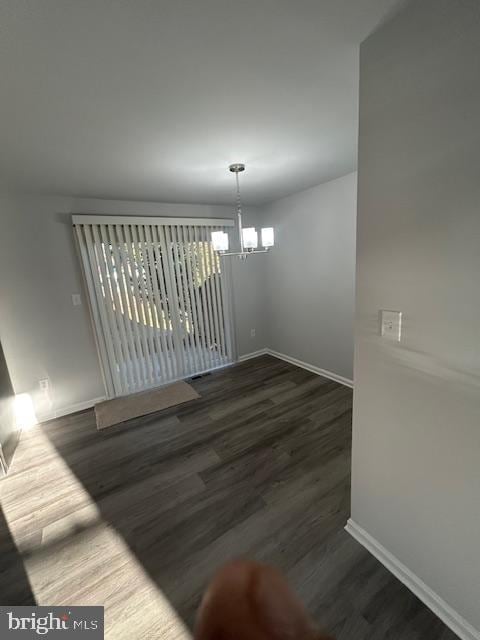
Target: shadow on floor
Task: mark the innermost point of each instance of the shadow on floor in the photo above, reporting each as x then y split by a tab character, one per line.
15	587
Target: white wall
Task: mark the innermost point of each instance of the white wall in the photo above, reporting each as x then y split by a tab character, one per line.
43	334
311	273
416	442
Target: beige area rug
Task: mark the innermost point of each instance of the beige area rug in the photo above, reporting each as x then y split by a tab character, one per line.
112	412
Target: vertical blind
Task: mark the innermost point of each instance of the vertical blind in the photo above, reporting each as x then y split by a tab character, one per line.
158	297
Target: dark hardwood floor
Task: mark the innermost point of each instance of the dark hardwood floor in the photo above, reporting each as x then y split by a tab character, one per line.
139	516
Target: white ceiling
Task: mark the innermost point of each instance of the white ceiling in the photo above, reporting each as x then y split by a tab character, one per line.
152	99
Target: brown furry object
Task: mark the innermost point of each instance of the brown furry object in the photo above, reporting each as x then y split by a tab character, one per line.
251	601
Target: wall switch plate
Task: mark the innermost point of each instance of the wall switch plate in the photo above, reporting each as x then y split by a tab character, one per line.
252	333
76	299
391	325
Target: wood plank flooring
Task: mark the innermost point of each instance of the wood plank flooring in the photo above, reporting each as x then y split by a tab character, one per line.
138	517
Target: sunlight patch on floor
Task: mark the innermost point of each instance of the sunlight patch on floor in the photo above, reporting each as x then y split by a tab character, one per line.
68	549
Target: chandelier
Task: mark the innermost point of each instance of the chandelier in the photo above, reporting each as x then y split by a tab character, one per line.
247	237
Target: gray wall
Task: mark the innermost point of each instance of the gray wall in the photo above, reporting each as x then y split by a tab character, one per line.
8	422
310	275
43	334
302	308
248	284
416	432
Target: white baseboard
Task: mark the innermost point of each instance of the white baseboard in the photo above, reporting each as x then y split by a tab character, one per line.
73	408
311	367
298	363
433	601
253	354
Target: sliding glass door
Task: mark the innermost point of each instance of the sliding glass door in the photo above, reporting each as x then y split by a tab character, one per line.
158	296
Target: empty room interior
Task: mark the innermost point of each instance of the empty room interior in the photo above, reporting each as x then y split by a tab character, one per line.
239	319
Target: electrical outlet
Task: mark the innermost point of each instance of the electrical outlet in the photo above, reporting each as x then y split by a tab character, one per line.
391	325
76	299
252	333
44	384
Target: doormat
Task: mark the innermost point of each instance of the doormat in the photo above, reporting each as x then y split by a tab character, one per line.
112	412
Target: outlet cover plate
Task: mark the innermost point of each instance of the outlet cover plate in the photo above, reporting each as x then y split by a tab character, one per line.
391	325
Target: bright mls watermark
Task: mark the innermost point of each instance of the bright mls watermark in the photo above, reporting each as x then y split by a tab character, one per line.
60	622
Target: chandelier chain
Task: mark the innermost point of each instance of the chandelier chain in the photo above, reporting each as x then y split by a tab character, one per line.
239	199
239	212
